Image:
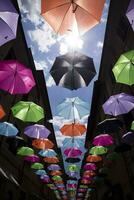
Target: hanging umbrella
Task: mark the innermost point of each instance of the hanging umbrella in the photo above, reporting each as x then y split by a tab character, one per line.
44	176
42	144
51	160
37	166
82	15
73	108
103	140
25	151
73	168
32	158
41	172
82	190
73	142
72	152
130	13
88	173
28	111
128	138
124	68
93	158
86	182
47	153
56	173
8	129
84	186
53	167
37	131
74	129
57	178
73	70
20	78
132	126
72	174
73	160
46	180
2	112
90	166
118	104
98	150
8	21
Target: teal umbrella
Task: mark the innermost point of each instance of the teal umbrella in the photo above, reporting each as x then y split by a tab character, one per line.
8	129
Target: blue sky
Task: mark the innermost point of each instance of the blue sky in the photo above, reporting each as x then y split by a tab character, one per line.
46	46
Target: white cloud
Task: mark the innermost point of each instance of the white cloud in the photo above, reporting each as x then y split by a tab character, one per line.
40	65
63	48
50	82
99	44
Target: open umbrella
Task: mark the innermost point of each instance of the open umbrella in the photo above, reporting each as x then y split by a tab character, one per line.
93	158
2	112
118	104
8	21
88	173
132	126
72	160
73	168
90	166
130	13
66	15
103	140
51	160
25	151
8	129
28	111
41	172
47	153
20	78
57	178
36	131
73	108
73	70
32	158
37	166
42	144
98	150
56	173
73	142
53	167
128	138
84	186
72	152
74	129
124	68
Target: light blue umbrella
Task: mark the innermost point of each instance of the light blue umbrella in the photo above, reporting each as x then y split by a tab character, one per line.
47	153
73	142
8	129
41	172
73	108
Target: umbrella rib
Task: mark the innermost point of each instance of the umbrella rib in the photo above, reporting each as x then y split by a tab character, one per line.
56	7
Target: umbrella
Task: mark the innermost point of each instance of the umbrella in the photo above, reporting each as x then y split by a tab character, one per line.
66	16
88	173
44	176
2	112
72	152
86	182
25	151
53	167
56	173
51	160
8	21
93	158
73	108
42	144
84	186
82	190
36	131
20	78
128	138
90	166
73	142
73	70
73	174
74	129
118	104
103	140
57	178
98	150
32	158
47	153
73	160
132	126
28	111
130	13
73	168
41	172
8	129
124	68
37	166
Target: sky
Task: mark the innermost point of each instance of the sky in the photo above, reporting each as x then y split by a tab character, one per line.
46	45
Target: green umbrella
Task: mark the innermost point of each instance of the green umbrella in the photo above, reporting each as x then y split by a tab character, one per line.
98	150
84	186
28	111
25	151
57	178
124	68
73	168
132	126
37	166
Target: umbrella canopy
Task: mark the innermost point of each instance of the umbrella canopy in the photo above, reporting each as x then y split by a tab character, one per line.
56	173
103	140
37	131
28	111
57	178
47	153
51	160
90	166
88	173
53	167
8	21
20	78
93	158
73	160
84	186
73	108
37	166
124	68
73	142
25	151
72	152
2	112
118	104
42	144
72	174
128	138
74	129
73	168
41	172
82	15
8	129
86	182
98	150
32	158
73	70
130	13
132	126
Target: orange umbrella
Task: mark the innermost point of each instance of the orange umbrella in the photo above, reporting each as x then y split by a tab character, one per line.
73	129
2	112
67	15
56	173
93	158
85	181
42	144
51	159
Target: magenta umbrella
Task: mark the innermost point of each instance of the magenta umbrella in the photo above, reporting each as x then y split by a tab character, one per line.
32	158
20	78
72	185
90	166
72	152
103	140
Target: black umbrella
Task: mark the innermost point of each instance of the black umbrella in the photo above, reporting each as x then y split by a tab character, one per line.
72	160
73	70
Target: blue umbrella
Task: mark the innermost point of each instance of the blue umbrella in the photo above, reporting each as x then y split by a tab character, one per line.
41	172
8	129
73	108
73	142
47	153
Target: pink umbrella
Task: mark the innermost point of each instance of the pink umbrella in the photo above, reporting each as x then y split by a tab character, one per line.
72	185
20	78
72	152
90	166
32	158
103	140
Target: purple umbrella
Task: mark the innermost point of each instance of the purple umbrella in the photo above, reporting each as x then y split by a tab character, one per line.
8	21
72	174
20	78
90	166
32	158
72	152
103	140
54	167
130	13
37	131
118	104
128	138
